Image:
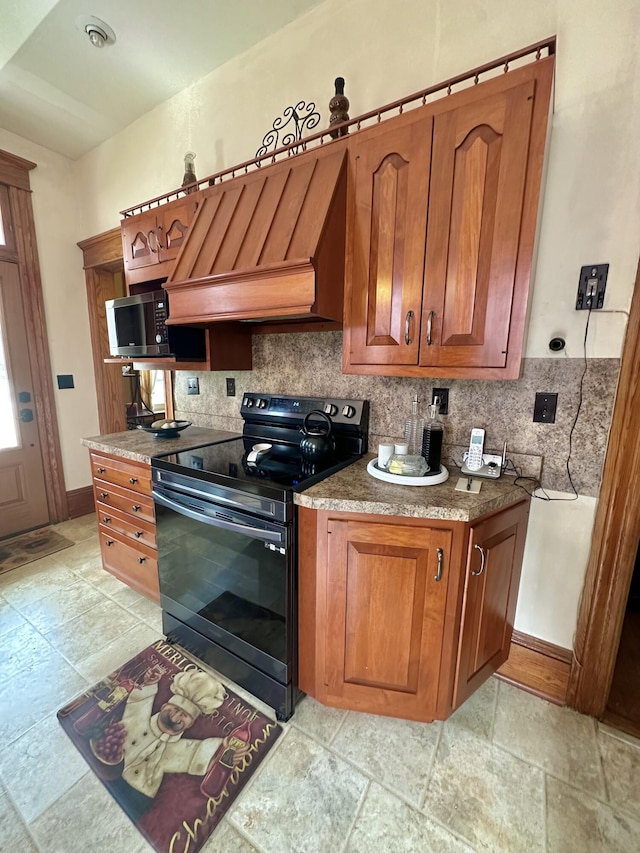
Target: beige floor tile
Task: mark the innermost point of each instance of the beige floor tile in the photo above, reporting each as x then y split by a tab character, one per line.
77	555
78	529
93	573
396	753
62	606
577	823
226	839
21	650
477	713
384	817
317	720
13	833
10	618
621	765
28	584
140	606
303	799
486	795
94	629
558	740
31	767
87	819
106	660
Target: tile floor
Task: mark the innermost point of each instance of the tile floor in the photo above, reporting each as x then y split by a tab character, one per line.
508	772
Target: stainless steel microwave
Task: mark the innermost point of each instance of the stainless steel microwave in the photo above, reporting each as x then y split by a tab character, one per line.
137	326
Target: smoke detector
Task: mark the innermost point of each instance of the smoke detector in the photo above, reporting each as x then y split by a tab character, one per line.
98	32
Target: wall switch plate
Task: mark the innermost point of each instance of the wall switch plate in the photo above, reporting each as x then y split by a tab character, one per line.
193	385
65	380
231	387
591	287
544	410
443	394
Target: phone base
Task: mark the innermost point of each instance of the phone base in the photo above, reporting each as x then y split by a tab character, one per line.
491	468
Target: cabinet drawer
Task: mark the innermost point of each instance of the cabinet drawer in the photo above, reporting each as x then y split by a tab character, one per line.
132	503
134	565
137	529
121	472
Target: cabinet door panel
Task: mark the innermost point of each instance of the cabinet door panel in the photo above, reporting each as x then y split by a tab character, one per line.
139	245
173	223
386	253
385	616
491	586
479	168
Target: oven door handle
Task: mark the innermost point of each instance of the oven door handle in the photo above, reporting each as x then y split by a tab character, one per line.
200	513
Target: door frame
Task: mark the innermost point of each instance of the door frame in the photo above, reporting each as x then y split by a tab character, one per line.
615	538
14	173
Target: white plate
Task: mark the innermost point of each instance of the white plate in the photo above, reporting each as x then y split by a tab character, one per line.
403	479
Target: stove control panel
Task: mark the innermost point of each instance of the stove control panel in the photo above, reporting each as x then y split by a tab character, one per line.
273	408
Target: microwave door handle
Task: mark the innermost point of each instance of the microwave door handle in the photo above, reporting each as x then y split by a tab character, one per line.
198	513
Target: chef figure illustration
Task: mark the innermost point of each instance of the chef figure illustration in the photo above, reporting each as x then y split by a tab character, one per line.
155	744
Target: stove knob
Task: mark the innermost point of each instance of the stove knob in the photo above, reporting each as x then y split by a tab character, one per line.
248	402
348	411
330	409
260	403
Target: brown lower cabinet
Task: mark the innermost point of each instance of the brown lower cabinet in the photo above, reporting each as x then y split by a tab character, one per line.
126	521
405	617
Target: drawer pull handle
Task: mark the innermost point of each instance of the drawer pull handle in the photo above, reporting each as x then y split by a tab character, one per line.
407	325
438	575
136	508
101	470
104	495
107	519
139	533
109	542
133	480
483	560
141	559
430	317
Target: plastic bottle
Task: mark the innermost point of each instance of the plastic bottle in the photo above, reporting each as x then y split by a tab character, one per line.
433	436
413	429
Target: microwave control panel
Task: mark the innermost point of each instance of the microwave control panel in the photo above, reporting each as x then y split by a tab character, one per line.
161	321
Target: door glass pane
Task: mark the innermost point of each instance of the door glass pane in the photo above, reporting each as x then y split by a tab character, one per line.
8	431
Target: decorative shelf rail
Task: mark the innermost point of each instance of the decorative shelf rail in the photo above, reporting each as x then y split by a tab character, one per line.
532	53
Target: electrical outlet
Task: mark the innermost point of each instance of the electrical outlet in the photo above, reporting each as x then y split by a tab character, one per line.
544	410
443	394
591	287
231	387
193	385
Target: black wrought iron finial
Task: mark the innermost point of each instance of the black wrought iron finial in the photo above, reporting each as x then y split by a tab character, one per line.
339	109
295	121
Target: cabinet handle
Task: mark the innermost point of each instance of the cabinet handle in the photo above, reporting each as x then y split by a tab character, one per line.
151	236
136	508
430	317
141	559
158	240
101	470
407	323
109	542
139	533
106	519
133	480
104	495
483	560
438	575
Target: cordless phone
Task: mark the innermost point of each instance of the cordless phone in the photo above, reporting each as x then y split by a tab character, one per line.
474	460
477	463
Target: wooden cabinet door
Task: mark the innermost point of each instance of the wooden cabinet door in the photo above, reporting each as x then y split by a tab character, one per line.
139	241
386	234
479	169
386	592
494	561
173	223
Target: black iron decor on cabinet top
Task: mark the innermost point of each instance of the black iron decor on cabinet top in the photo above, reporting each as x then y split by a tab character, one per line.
289	127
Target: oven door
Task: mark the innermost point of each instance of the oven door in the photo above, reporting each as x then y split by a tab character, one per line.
228	575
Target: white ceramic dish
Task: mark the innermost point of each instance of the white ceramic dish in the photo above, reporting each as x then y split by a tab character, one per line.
403	479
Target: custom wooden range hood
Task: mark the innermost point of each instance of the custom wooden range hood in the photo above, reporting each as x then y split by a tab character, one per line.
266	246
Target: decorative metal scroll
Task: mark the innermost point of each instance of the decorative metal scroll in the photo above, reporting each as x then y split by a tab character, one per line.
289	127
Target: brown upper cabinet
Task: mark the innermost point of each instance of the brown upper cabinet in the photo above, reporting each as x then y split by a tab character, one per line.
442	216
151	240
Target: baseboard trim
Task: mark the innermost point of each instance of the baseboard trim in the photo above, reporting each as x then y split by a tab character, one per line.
80	501
538	667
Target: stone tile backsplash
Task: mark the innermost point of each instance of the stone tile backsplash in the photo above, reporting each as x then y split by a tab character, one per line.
310	364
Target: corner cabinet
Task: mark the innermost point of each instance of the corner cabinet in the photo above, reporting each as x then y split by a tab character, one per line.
126	521
405	617
442	219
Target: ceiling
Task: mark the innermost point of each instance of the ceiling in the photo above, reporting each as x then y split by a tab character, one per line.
58	90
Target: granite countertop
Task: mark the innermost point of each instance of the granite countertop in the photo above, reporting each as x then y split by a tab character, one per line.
140	446
355	490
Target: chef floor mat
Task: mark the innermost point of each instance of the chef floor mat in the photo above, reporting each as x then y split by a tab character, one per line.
30	546
170	742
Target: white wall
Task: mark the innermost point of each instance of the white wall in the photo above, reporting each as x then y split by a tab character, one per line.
56	212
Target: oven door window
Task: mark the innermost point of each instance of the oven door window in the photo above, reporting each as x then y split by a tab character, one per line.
227	568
